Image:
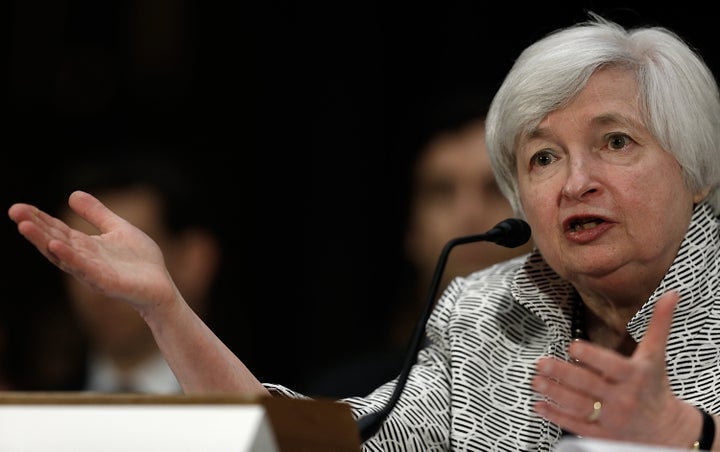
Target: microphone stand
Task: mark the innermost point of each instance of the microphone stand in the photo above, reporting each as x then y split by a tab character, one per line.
510	233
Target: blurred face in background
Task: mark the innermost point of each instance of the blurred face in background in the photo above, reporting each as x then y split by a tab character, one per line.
114	328
455	194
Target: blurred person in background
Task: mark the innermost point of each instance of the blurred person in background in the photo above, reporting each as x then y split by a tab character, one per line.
450	191
111	349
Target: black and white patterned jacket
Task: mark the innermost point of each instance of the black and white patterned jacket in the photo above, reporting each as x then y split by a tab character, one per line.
470	389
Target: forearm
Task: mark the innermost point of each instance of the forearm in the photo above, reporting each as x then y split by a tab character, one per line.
202	363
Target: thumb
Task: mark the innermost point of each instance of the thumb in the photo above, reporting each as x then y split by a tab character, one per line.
655	340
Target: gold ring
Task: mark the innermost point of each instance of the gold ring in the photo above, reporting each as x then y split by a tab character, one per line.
597	409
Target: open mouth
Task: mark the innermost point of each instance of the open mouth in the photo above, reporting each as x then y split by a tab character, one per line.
583	224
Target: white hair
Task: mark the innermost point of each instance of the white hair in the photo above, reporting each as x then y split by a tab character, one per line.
678	94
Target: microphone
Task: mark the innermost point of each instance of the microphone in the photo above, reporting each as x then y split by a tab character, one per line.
509	233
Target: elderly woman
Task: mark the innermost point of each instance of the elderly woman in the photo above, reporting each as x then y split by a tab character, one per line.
606	141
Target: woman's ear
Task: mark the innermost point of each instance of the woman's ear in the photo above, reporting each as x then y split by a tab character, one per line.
700	195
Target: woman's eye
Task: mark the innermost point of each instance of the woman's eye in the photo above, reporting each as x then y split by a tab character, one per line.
618	141
542	158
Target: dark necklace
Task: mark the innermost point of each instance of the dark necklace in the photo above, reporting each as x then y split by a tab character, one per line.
578	319
577	332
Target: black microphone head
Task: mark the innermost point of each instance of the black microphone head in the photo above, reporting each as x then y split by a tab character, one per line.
512	232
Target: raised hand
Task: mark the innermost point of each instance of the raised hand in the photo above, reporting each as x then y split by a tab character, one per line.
120	262
616	397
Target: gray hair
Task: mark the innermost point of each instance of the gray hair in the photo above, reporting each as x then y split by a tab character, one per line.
678	95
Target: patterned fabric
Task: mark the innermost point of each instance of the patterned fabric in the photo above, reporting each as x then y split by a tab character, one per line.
470	388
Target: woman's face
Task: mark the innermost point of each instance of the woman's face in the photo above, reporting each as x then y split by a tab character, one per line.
607	205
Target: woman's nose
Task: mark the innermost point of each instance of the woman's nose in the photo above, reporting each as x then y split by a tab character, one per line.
580	179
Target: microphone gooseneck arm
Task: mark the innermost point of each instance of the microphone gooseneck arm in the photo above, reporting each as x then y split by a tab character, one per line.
510	233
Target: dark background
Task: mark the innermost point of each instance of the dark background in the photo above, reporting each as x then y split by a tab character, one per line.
298	115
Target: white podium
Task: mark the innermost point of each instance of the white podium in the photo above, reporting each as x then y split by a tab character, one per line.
600	445
83	422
